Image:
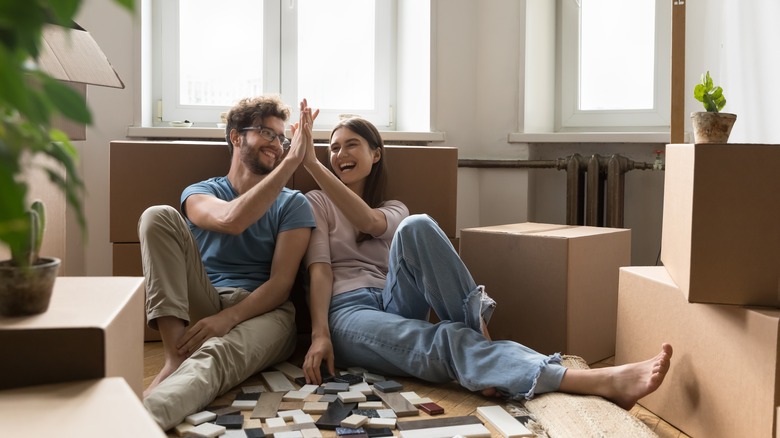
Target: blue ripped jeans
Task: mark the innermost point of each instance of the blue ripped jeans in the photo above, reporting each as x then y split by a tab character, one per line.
387	331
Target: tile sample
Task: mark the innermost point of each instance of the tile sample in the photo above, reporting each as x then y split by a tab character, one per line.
503	421
336	412
431	408
277	381
381	423
397	403
388	386
289	370
267	405
207	430
200	417
468	430
352	396
315	407
437	422
233	421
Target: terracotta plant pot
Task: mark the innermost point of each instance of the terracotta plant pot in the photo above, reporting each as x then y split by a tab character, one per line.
712	127
27	291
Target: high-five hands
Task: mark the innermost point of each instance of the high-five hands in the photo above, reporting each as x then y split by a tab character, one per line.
303	139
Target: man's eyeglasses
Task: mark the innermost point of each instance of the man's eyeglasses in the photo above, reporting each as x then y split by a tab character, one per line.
269	135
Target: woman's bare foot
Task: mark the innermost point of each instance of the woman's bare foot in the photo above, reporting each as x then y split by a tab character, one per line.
636	380
490	392
483	326
625	384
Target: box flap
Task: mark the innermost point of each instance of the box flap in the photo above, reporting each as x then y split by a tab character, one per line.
72	55
520	228
581	231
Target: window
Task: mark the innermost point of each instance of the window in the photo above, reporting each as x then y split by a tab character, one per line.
337	53
614	69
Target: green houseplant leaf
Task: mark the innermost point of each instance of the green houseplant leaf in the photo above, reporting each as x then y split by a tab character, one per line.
710	96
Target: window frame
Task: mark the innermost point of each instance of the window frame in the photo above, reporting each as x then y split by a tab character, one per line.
569	118
279	62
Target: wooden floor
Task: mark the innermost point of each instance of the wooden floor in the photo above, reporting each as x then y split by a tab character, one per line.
455	400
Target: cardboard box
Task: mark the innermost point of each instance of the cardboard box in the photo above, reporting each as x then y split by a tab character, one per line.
91	330
146	173
127	262
723	380
721	222
72	56
86	408
555	285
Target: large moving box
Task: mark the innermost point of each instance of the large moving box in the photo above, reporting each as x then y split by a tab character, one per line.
91	330
723	380
87	408
721	222
72	56
555	285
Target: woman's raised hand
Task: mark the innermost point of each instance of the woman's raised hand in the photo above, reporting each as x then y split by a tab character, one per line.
303	141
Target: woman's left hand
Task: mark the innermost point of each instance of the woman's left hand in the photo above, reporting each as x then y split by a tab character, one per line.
321	349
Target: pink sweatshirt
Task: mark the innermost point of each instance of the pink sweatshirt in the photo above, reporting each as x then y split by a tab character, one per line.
355	265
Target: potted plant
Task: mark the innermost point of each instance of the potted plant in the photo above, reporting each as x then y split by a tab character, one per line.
29	98
711	125
27	280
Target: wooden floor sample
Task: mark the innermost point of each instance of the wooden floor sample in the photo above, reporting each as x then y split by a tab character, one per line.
455	400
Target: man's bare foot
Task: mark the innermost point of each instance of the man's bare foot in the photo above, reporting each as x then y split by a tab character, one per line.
625	384
631	382
167	370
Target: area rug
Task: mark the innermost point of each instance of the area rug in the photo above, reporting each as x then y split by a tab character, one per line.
556	414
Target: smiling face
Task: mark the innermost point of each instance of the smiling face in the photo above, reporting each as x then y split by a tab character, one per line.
257	153
351	158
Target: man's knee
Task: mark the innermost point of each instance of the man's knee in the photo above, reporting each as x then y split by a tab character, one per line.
157	217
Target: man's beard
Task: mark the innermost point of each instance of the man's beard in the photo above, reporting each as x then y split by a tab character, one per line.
252	162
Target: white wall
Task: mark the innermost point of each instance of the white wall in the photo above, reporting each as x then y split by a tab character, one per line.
112	113
479	51
476	93
737	42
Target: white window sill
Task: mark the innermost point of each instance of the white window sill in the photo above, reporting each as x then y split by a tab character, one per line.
219	134
592	137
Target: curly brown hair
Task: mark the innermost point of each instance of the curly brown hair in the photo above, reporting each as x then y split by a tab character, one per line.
251	112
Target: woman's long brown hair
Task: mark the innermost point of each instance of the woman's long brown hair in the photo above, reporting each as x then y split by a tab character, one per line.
374	191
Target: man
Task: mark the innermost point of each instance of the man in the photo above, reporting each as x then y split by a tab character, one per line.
218	279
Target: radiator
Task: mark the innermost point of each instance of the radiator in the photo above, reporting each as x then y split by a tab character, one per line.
595	185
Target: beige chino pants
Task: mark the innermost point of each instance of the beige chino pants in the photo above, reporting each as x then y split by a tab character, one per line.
177	285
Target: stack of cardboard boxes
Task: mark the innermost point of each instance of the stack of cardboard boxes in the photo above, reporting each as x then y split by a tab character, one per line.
716	298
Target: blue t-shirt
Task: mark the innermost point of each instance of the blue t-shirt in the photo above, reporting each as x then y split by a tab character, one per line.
245	260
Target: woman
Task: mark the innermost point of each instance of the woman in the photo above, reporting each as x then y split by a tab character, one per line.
375	272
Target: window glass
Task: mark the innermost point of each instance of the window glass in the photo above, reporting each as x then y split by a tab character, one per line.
617	54
614	65
339	54
220	51
336	59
